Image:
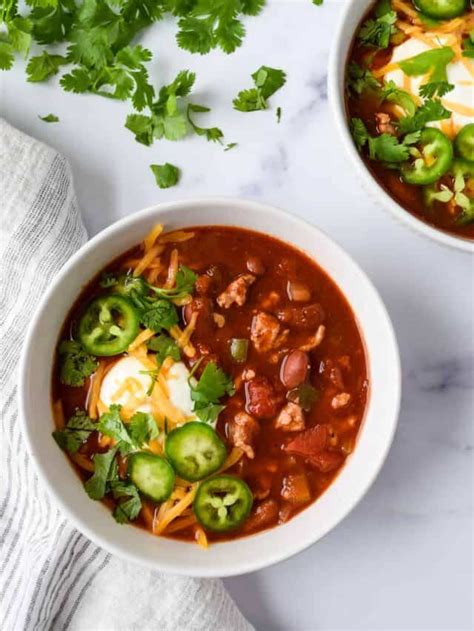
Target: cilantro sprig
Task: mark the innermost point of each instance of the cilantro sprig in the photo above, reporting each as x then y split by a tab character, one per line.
166	175
76	431
377	32
267	81
207	392
75	364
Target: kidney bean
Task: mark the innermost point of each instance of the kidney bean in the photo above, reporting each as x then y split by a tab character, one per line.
294	369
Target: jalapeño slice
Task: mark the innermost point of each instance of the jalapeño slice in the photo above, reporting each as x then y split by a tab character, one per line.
436	157
222	503
109	325
195	451
464	143
441	9
152	475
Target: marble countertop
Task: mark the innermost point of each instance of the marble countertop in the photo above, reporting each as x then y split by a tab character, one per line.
403	559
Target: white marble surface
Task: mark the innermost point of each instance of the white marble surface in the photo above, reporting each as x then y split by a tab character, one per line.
403	559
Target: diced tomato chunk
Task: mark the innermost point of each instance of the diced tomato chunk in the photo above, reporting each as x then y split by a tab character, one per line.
310	442
326	460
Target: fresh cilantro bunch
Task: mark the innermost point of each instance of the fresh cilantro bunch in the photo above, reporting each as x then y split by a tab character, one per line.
377	32
207	392
267	81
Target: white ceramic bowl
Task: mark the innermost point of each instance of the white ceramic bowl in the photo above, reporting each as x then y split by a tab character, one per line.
353	12
253	552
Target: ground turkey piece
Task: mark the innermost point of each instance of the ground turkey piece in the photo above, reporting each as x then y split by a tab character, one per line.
236	291
261	398
384	124
291	418
242	431
265	332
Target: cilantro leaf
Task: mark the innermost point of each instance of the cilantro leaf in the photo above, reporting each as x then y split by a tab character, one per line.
359	132
79	80
127	509
431	110
209	413
143	428
142	127
360	79
49	118
7	55
435	88
76	431
164	346
166	175
212	385
162	315
387	148
434	62
75	364
110	424
96	485
249	101
44	66
213	134
267	81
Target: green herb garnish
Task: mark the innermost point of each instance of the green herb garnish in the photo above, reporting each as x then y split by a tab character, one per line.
206	393
75	364
267	81
76	431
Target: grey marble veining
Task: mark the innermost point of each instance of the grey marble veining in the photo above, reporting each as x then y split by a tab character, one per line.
403	559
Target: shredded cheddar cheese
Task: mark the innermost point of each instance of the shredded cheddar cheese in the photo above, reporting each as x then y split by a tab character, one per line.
175	511
178	236
141	338
201	537
180	524
152	236
147	258
172	270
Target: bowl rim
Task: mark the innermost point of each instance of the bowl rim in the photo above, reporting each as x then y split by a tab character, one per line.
338	60
248	565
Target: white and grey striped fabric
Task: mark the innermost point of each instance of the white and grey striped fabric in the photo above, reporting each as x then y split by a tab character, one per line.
51	577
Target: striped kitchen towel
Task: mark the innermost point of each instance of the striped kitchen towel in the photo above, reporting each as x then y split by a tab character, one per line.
51	577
